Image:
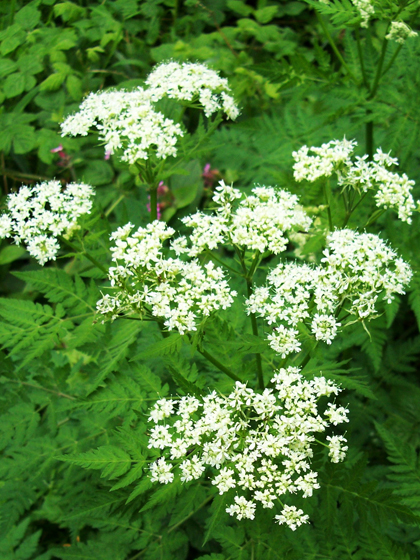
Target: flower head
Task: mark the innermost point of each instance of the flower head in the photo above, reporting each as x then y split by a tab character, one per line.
37	215
148	281
257	444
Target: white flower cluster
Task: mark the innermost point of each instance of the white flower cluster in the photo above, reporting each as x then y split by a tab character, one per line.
149	282
257	444
365	9
399	32
129	121
392	190
356	269
190	81
257	223
329	157
37	215
125	120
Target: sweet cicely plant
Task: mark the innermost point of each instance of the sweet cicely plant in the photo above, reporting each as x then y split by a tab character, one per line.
255	433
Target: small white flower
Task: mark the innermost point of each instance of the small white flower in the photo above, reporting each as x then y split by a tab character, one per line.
161	471
242	508
292	516
337	449
336	415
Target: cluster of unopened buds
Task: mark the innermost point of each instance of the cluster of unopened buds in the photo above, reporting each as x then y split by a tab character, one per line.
256	446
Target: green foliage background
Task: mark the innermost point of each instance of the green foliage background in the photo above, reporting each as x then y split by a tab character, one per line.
76	393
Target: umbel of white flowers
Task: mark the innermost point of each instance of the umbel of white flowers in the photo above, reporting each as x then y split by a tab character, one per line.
357	269
259	445
392	190
399	32
37	215
150	280
129	120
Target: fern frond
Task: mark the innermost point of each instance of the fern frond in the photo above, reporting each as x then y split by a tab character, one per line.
31	327
405	470
58	287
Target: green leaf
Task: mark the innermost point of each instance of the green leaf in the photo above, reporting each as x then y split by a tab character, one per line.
7	66
28	17
11	253
185	188
30	328
53	82
240	7
59	287
24	139
74	87
111	460
188	387
265	15
14	84
97	172
169	345
165	494
217	509
12	37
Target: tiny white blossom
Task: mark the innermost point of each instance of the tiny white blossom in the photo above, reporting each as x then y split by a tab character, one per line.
292	516
392	190
161	471
258	222
336	415
337	449
189	82
242	508
355	268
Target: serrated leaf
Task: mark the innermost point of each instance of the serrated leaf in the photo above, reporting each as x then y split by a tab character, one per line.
168	345
217	509
111	460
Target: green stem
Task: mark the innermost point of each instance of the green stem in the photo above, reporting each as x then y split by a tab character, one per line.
206	501
218	364
369	140
153	203
114	205
378	75
335	48
327	200
85	254
206	355
250	287
362	63
374	217
215	258
391	62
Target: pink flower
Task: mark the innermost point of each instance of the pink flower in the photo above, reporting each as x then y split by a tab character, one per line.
210	175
